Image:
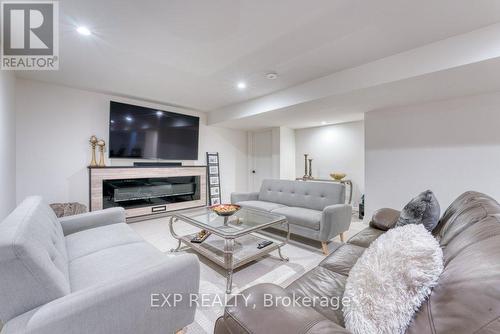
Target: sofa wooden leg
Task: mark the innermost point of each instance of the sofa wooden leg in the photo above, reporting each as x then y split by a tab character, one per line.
181	331
324	247
342	237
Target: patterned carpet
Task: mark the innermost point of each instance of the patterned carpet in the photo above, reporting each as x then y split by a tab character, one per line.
304	255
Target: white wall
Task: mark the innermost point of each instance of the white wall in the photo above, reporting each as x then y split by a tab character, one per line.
7	143
273	150
333	148
54	124
283	144
448	147
276	154
287	153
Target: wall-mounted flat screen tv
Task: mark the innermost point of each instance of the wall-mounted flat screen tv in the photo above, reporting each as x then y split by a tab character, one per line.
144	133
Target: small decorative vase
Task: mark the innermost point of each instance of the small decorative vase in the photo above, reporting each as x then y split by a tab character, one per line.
93	142
101	143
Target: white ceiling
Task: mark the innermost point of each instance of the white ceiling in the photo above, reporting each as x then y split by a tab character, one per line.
471	79
191	53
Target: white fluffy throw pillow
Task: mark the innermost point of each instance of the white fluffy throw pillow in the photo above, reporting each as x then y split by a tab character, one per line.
391	279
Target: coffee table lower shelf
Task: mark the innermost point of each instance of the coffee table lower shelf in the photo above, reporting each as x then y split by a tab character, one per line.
245	248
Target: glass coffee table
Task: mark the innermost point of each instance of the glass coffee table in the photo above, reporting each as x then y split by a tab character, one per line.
233	240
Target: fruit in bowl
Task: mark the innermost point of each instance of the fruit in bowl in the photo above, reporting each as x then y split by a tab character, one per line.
338	176
225	209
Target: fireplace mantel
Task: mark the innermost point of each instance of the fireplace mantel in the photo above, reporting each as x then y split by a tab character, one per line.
161	196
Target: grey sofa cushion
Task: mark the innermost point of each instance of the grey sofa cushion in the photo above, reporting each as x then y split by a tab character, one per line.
423	209
33	259
301	216
260	205
311	195
112	264
93	240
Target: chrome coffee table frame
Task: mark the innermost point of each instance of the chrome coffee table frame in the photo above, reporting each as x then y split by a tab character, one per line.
246	239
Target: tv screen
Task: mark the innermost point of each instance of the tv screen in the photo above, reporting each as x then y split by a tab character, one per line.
139	132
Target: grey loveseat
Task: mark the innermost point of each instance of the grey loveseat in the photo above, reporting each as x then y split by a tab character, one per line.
315	210
89	273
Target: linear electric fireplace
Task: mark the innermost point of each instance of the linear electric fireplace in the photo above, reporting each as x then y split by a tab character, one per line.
157	192
144	191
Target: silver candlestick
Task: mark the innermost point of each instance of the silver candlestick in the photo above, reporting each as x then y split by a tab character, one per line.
305	167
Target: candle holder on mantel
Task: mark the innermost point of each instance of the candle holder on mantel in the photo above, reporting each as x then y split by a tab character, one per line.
305	167
307	173
93	142
310	169
101	143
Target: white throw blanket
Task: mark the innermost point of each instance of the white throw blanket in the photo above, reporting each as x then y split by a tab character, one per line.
391	280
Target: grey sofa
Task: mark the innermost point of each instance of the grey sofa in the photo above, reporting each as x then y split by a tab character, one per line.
88	273
315	210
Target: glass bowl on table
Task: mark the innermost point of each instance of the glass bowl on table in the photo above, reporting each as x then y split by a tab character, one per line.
225	210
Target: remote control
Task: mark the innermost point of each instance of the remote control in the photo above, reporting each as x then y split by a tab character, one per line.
264	244
200	237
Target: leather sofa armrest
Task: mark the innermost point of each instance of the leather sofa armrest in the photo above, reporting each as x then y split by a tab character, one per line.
240	197
85	221
384	219
261	309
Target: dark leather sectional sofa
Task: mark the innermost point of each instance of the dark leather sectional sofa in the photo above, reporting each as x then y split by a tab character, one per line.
466	299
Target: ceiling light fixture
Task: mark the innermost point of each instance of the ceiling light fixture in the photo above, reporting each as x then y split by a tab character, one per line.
324	123
241	85
84	31
159	113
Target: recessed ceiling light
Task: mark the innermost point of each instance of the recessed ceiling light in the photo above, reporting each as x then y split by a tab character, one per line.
159	113
84	31
241	85
324	123
128	118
